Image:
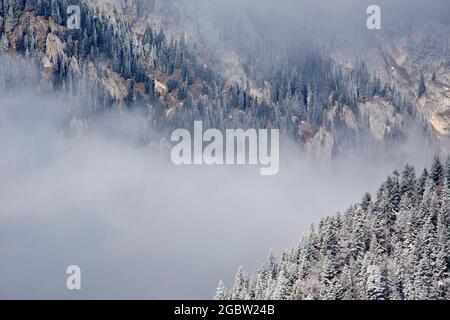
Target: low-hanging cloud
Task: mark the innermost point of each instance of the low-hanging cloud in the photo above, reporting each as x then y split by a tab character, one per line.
138	226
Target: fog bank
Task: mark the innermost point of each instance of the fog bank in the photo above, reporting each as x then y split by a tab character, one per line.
140	227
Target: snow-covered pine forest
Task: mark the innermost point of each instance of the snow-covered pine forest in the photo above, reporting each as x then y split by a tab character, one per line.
171	81
394	246
169	67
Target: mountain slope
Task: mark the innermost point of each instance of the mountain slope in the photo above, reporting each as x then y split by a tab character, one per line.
143	54
396	246
174	67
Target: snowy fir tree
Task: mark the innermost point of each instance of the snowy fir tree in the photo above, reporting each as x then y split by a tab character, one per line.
394	247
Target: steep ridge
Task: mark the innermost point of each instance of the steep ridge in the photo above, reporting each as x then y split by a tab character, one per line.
152	56
393	246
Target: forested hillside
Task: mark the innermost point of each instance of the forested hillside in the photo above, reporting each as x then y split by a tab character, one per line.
86	113
173	78
393	246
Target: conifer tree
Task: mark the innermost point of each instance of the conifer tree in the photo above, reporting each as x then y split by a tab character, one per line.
221	293
364	255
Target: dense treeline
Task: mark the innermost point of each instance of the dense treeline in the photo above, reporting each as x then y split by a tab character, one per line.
289	92
396	246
